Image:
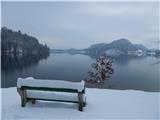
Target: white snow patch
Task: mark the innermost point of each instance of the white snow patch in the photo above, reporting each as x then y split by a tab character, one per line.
101	104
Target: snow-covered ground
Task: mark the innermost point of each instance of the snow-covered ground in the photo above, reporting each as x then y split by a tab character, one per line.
101	104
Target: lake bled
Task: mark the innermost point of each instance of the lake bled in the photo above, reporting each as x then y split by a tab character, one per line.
130	73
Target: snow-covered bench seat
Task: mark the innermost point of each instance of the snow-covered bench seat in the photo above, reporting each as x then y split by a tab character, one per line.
36	89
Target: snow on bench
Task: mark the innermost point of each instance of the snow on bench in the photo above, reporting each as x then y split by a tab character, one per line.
33	89
31	82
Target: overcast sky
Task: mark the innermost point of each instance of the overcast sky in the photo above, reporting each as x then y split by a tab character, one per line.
80	24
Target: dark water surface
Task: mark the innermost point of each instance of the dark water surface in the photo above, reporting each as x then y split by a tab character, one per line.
140	73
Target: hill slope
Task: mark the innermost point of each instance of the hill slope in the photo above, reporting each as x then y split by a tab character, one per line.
16	42
122	45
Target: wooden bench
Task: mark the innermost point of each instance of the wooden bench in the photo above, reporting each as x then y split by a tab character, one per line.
31	89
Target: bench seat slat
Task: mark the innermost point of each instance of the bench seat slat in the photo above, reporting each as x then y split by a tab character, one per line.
52	95
53	100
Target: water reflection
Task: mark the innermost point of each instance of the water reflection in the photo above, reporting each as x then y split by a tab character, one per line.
138	73
11	61
155	63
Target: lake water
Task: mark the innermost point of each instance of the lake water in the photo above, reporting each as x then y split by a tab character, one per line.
139	73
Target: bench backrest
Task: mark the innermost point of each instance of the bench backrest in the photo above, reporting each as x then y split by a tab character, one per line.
50	85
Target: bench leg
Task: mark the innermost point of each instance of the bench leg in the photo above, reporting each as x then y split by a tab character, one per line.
84	104
23	95
33	101
23	98
80	98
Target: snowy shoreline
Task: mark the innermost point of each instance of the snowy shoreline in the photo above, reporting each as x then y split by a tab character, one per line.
101	104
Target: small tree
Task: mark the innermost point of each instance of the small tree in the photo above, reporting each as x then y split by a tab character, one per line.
100	71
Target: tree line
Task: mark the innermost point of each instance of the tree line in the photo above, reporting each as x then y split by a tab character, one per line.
15	42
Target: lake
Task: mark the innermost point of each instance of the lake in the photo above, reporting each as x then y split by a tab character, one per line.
130	73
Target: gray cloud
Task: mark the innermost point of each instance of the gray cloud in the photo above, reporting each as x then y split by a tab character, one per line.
81	24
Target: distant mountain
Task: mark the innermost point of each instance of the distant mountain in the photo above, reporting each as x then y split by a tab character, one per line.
141	47
99	45
115	48
120	45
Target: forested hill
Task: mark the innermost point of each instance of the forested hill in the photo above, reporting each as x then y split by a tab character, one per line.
16	42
